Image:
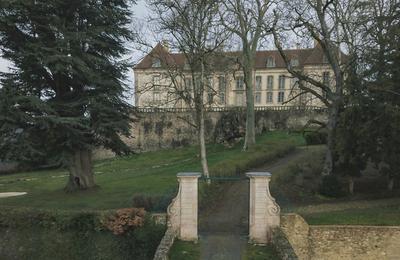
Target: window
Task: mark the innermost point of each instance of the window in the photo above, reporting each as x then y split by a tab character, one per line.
221	89
156	97
239	82
303	99
210	90
326	78
188	84
325	59
156	83
210	97
258	82
156	63
281	96
269	97
257	97
294	62
270	82
186	66
239	99
281	82
270	62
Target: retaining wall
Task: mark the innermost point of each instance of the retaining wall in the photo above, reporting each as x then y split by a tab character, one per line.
155	129
341	241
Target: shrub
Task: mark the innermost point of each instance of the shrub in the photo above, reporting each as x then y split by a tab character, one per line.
316	137
124	220
154	203
331	187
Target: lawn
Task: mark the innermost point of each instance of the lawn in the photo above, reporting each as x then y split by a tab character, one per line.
381	216
254	252
122	178
296	188
182	250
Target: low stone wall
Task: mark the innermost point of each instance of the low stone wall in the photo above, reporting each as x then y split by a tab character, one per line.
355	242
165	245
340	242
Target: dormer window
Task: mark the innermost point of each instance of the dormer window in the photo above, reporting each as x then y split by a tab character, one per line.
270	62
186	66
294	62
156	63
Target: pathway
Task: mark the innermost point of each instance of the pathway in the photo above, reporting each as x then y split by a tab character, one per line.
224	228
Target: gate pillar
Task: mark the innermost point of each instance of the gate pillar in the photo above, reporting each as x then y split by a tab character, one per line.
264	213
183	211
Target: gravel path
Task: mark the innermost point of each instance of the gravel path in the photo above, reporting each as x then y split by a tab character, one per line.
224	228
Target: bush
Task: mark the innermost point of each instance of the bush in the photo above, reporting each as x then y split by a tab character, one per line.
316	137
331	187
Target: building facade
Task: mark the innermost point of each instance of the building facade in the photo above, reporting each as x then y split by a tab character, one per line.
161	77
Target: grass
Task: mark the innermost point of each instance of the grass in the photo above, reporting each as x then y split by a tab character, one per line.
297	185
149	174
380	216
184	251
253	252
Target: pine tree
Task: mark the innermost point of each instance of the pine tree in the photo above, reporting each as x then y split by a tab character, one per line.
66	93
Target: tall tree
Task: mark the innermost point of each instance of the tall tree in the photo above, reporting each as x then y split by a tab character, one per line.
195	33
332	25
246	19
382	76
67	86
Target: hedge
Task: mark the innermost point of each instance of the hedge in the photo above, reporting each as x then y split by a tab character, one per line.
38	234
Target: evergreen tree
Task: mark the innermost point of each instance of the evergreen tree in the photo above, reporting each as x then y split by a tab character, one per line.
66	93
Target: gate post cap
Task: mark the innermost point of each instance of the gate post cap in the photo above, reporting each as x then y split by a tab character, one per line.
188	174
258	174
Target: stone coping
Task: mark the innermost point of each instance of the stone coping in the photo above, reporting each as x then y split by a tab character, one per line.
188	174
258	174
11	194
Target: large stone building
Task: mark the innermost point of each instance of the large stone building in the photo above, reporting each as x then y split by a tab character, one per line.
273	84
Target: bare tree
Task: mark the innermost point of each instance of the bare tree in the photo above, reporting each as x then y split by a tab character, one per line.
194	32
332	25
246	19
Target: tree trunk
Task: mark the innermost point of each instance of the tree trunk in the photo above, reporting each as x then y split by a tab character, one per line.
80	171
331	128
250	136
390	185
351	185
201	130
202	142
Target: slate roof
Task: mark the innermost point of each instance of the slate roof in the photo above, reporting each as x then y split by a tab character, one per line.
311	56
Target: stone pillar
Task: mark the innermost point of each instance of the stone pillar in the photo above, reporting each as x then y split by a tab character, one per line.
183	211
264	212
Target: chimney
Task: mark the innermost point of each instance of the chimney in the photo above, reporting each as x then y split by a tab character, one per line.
165	44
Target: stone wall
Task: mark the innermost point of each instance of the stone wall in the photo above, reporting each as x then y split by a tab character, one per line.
341	242
154	130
